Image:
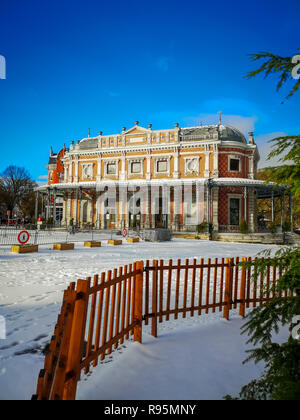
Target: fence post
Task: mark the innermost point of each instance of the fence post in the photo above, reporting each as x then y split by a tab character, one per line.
59	377
228	287
154	300
77	340
243	289
138	304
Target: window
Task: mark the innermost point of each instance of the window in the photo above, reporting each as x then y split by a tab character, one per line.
234	165
136	167
111	169
162	166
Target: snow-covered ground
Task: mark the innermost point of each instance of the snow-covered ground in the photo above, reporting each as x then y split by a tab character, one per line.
201	360
196	357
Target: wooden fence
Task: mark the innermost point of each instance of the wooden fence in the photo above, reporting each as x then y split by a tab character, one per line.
96	317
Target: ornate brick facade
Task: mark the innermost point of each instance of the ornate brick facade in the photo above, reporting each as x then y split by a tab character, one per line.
203	157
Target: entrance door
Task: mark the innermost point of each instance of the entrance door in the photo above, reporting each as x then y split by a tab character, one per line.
161	220
234	211
134	221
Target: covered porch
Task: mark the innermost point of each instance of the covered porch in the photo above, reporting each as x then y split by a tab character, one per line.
219	204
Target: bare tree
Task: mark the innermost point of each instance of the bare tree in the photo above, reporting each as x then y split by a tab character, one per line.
15	187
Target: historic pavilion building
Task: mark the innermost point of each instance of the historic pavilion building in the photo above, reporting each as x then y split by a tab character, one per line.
215	163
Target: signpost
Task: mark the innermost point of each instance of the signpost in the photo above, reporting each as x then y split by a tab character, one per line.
23	237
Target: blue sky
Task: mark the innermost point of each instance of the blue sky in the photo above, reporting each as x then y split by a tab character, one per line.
105	64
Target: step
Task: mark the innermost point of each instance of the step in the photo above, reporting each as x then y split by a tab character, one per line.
63	246
92	244
24	249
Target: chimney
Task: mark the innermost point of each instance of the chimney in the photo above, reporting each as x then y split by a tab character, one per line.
251	137
149	126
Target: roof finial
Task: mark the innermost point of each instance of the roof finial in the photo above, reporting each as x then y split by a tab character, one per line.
51	151
89	132
220	117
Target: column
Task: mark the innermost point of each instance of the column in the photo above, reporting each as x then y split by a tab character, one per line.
71	171
251	166
282	211
43	209
54	206
123	167
208	203
207	168
36	206
216	161
252	206
215	195
76	169
79	205
148	170
146	209
65	208
98	210
291	212
99	164
70	204
245	205
273	207
48	205
176	164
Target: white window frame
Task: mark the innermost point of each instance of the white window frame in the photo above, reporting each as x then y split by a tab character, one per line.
111	162
130	162
235	157
159	159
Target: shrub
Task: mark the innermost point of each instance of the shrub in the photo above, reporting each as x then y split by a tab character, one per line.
202	227
272	227
286	227
244	228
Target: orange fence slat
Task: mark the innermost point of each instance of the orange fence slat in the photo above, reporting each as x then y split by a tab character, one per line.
99	319
169	289
200	286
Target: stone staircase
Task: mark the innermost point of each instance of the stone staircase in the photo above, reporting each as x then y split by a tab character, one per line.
292	239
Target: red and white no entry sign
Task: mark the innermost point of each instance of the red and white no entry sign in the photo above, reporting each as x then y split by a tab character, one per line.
124	233
23	237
